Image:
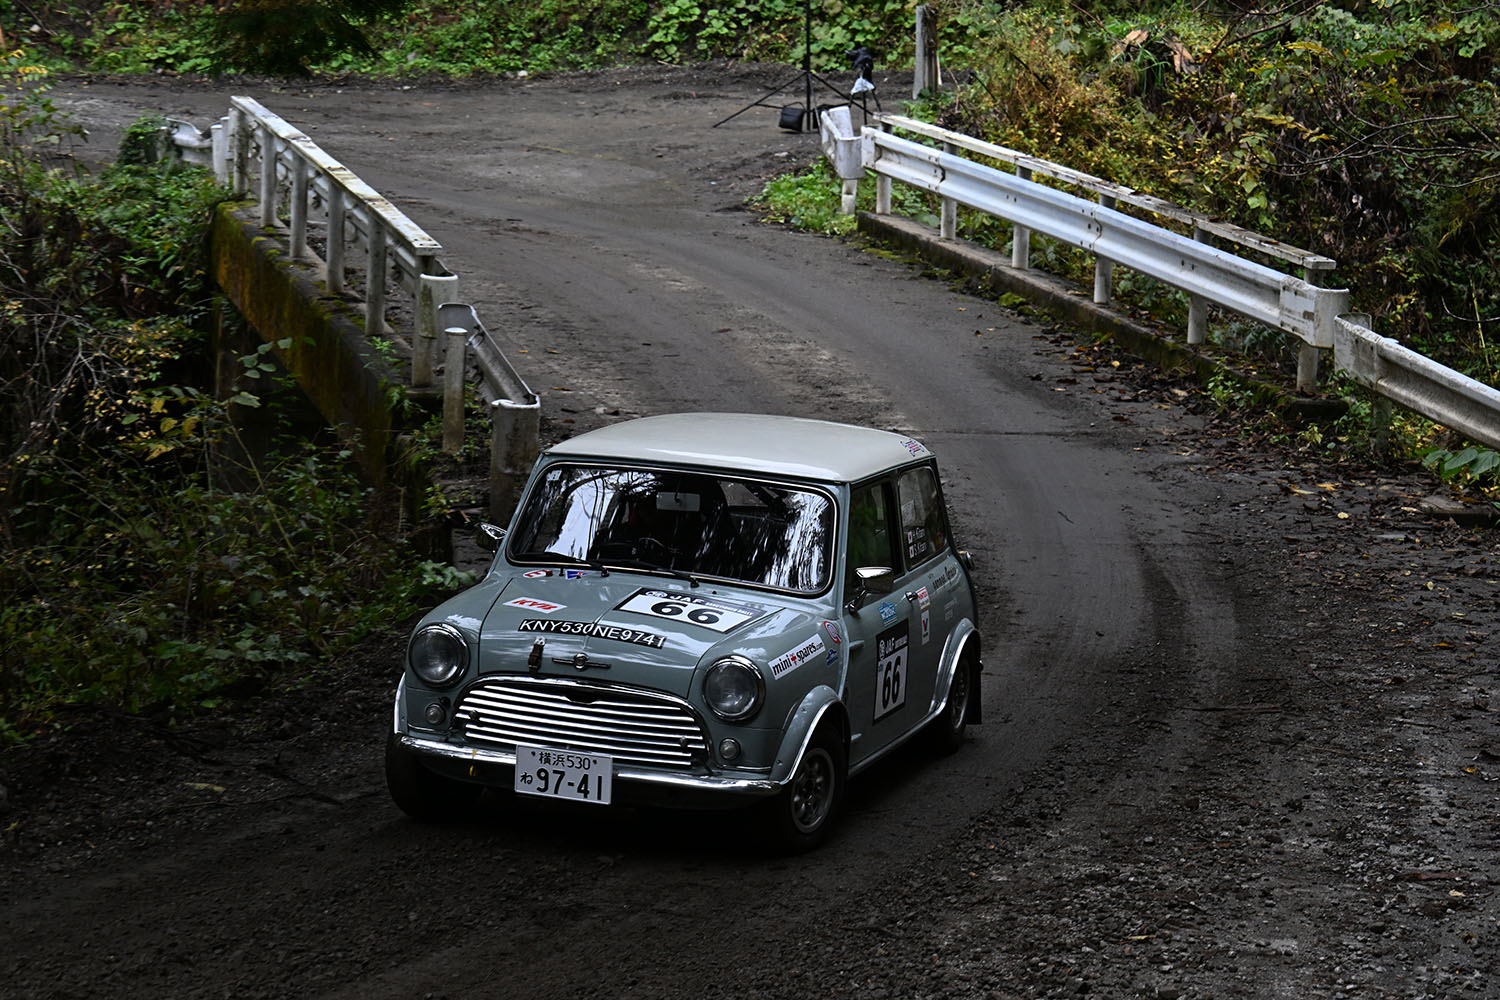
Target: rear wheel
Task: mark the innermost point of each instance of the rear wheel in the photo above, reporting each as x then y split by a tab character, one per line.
420	793
948	729
800	817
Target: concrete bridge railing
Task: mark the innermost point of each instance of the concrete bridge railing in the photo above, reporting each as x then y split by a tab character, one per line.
298	188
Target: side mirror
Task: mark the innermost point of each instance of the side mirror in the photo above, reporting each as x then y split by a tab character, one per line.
489	536
869	578
965	558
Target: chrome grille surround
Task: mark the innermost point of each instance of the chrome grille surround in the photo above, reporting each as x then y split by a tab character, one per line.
632	725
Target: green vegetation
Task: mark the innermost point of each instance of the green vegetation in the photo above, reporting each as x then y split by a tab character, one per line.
405	37
152	557
285	37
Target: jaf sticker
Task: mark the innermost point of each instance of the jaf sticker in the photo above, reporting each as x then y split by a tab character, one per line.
717	616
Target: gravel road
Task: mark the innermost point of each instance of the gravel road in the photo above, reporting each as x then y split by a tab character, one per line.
1238	736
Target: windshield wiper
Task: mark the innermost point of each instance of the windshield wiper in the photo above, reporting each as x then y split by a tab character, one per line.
628	555
652	567
593	564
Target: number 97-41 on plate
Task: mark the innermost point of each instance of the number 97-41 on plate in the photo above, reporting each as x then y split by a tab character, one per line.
564	774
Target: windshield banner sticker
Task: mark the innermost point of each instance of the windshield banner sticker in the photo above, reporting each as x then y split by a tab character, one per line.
596	630
783	665
718	616
535	604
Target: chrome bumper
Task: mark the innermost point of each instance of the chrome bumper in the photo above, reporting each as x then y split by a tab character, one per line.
665	781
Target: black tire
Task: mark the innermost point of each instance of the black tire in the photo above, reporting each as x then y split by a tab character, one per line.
801	815
946	732
422	794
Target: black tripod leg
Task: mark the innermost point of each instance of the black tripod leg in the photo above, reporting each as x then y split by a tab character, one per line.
760	102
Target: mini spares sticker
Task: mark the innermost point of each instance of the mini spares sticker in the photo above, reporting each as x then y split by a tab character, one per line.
783	665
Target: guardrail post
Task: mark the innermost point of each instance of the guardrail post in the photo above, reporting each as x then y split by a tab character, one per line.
433	290
453	388
1020	240
375	282
1104	268
883	185
514	431
239	138
219	133
299	207
1307	354
948	221
267	176
926	75
1197	331
334	253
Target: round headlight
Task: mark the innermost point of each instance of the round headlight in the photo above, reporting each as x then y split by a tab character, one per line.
733	689
438	655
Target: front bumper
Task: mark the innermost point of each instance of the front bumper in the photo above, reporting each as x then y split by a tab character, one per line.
633	784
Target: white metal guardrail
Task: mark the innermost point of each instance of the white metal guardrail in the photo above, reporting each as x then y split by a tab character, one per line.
1416	381
1301	306
254	150
1110	193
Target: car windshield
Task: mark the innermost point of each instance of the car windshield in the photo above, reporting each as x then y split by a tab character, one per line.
686	524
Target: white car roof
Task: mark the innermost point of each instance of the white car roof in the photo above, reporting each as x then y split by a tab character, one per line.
777	446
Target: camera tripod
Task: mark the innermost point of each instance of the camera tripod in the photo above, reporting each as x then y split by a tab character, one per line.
792	118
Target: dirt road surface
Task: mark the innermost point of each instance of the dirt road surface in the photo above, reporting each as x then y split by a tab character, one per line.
1239	736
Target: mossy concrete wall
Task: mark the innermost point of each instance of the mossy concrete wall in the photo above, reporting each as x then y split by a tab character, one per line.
328	354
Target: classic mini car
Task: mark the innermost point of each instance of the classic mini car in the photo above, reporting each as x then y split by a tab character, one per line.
704	609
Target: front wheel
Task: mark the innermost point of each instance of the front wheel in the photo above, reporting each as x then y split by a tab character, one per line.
800	817
420	793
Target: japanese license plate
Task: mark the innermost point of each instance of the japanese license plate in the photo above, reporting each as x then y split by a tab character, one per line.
563	774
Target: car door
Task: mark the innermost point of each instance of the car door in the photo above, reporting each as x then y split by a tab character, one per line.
880	624
924	585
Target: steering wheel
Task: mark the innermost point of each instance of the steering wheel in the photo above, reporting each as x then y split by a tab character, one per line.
653	550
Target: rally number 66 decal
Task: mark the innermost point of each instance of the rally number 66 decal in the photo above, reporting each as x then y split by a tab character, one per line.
890	669
719	616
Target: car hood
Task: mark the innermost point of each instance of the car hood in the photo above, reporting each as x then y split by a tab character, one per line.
627	628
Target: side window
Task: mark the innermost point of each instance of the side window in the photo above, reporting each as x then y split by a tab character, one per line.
923	533
870	536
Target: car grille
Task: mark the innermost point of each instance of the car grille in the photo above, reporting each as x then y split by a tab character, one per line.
634	727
